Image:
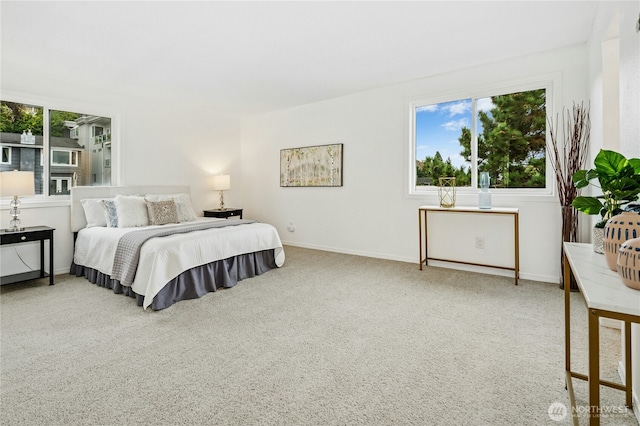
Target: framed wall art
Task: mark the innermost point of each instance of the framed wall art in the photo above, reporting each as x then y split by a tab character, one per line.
319	165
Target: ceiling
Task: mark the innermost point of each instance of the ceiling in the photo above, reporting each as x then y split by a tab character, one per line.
252	57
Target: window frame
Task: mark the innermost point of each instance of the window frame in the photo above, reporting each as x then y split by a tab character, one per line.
72	157
3	147
58	104
547	82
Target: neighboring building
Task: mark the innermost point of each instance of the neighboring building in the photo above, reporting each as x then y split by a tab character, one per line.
81	157
94	135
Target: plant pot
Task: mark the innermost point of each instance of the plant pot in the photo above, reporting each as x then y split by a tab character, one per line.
598	240
620	228
629	263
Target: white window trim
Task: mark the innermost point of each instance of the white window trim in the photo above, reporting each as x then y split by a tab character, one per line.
71	156
549	82
3	148
47	199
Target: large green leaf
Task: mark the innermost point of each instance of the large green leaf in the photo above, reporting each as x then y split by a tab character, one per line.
581	178
587	205
635	163
609	163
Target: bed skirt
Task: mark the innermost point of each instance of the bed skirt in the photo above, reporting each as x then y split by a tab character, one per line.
193	283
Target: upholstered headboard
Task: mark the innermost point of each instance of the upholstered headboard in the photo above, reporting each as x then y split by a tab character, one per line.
78	219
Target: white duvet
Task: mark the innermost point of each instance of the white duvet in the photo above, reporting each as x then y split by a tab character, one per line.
163	259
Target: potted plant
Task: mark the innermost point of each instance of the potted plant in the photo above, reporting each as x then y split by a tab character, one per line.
619	181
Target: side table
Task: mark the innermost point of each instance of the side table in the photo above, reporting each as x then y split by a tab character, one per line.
223	213
30	234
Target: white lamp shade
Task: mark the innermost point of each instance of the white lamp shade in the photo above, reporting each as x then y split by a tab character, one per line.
222	182
16	183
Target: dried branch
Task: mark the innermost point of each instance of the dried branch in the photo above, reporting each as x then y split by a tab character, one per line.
569	154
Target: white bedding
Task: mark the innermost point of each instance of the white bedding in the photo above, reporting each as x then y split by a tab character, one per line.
163	259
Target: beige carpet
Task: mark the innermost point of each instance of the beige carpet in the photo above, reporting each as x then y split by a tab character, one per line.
329	339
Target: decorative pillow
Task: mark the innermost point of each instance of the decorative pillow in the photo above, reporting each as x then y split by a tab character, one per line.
183	205
162	212
132	211
110	213
94	212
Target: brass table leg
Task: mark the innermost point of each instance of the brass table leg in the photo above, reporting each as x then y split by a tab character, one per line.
594	366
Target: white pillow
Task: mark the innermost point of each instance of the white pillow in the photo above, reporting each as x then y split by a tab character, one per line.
132	211
183	204
93	212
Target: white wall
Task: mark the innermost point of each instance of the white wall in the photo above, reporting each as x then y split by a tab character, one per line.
372	214
617	127
162	143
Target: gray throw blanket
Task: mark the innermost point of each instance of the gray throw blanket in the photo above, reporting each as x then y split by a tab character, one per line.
125	261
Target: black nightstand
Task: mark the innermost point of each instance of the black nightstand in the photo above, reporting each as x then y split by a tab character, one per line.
29	234
223	213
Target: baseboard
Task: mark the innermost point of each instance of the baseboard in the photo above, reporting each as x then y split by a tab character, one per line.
449	265
634	394
61	271
352	252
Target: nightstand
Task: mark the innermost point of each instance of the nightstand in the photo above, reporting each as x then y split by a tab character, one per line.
223	213
30	234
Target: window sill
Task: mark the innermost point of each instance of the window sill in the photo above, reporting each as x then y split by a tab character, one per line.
499	197
38	203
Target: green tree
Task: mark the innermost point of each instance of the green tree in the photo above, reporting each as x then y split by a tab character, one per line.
16	118
435	167
57	121
512	144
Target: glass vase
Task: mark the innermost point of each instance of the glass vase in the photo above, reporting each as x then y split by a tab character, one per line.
484	197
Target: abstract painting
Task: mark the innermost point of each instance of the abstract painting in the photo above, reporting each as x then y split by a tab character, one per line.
311	166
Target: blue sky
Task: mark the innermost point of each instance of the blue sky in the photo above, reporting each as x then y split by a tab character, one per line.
438	127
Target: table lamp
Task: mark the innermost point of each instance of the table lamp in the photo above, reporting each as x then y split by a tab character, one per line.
222	183
16	184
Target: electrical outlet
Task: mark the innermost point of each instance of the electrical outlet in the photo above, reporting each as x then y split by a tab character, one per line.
479	243
291	227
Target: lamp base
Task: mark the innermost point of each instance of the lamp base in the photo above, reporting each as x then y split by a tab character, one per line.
222	200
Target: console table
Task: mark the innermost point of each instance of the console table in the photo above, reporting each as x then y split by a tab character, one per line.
606	297
423	235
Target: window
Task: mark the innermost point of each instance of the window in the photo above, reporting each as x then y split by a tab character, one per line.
6	155
60	186
502	134
64	154
64	158
21	129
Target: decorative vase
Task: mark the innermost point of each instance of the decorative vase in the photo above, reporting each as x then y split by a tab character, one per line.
629	263
620	228
598	240
447	192
484	198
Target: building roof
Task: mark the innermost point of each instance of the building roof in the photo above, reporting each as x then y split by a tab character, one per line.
13	139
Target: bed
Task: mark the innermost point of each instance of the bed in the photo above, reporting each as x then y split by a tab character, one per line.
147	243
